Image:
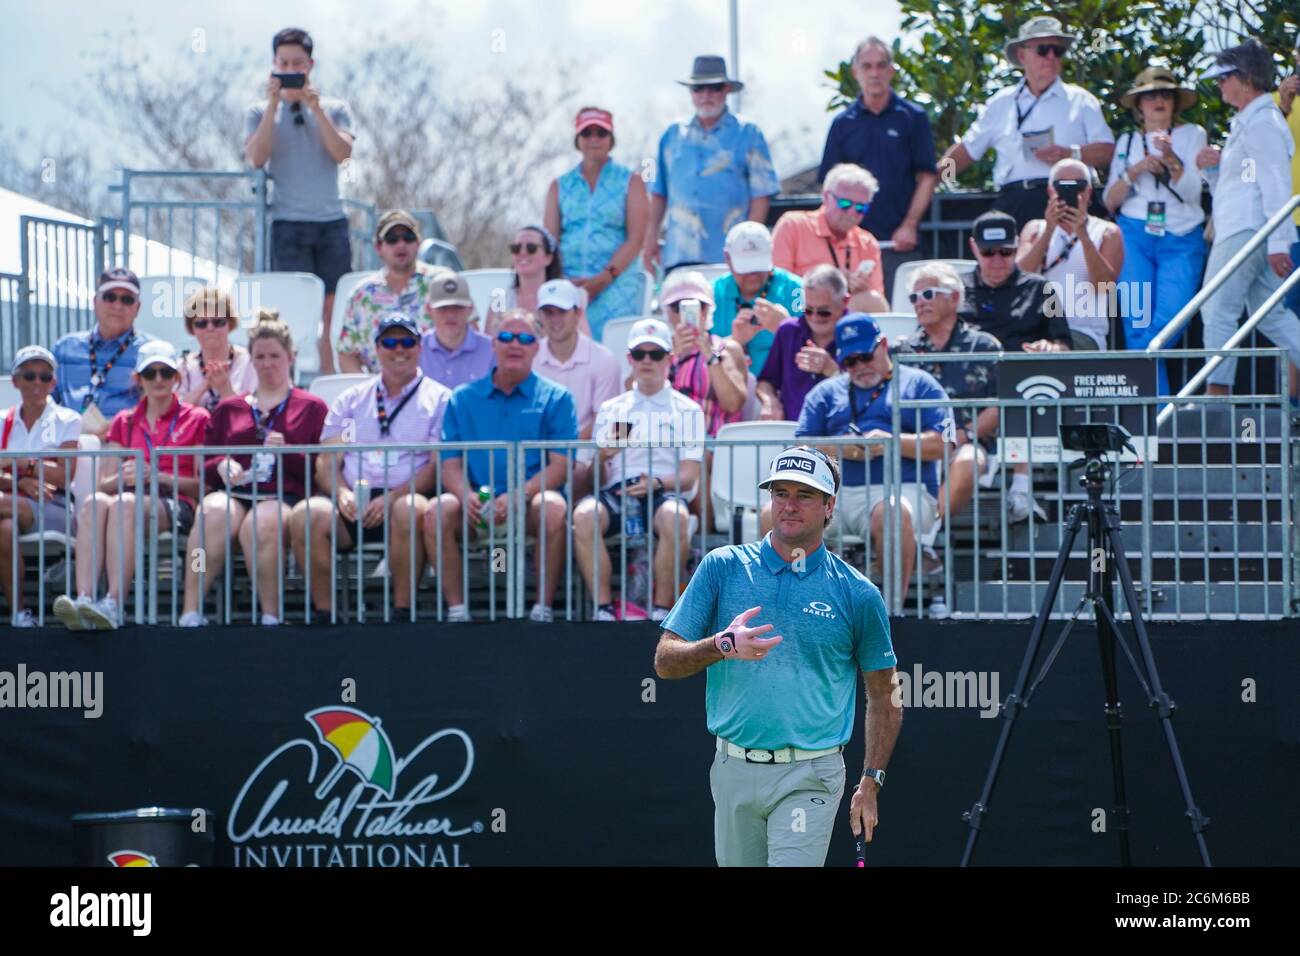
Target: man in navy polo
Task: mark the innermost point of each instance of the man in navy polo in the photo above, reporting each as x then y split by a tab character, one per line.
889	136
860	402
782	706
512	403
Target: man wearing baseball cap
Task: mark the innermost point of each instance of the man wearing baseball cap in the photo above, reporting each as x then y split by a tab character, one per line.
33	425
565	355
755	297
782	627
648	466
453	352
860	403
94	376
403	285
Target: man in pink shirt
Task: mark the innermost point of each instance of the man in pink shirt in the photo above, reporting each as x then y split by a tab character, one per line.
832	235
569	358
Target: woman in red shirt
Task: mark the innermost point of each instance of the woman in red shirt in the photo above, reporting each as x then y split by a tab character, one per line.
106	522
273	414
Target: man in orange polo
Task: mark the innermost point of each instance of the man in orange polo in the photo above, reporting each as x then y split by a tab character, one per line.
833	235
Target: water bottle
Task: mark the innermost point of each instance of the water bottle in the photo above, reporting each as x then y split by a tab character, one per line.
633	526
361	491
484	496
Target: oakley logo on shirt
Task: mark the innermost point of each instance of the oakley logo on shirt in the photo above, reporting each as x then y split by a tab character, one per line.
820	609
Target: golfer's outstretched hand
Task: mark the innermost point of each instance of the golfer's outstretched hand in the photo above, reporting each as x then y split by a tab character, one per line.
745	643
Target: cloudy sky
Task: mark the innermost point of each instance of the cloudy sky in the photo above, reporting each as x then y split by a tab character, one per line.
629	51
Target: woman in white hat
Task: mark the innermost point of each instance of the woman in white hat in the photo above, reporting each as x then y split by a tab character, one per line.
35	424
106	522
1155	188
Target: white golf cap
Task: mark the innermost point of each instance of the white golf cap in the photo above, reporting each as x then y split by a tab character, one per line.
804	465
157	353
749	245
32	353
653	331
560	293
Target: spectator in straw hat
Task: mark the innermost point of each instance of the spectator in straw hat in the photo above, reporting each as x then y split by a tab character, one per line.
1034	124
1155	188
713	171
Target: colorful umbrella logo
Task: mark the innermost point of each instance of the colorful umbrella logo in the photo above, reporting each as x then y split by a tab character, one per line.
361	745
131	858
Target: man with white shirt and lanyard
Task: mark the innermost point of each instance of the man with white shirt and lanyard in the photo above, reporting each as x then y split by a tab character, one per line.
1033	124
782	706
653	483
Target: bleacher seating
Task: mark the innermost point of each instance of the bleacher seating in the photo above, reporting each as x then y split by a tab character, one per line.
162	300
738	470
615	334
299	297
903	276
483	283
330	387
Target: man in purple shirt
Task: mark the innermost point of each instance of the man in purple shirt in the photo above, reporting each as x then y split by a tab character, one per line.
400	406
453	353
803	352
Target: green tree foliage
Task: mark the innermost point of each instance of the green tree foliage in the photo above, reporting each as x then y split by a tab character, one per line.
950	57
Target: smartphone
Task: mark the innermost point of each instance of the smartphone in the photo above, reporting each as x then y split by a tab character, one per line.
1068	190
291	81
690	312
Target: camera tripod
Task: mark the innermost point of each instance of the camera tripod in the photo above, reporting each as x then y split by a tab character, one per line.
1104	541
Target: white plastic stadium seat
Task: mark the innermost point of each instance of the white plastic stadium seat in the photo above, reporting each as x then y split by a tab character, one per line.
482	283
162	302
347	284
615	334
710	271
738	470
896	325
330	387
299	297
9	394
903	277
647	292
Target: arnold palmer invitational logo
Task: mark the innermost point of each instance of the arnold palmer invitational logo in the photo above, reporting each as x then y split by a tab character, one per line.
342	797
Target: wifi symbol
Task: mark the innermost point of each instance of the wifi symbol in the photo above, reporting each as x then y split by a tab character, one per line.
1044	387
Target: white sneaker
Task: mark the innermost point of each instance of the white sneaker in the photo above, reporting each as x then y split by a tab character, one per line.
542	614
603	615
658	614
1019	504
270	620
24	619
457	614
938	610
193	619
99	615
67	611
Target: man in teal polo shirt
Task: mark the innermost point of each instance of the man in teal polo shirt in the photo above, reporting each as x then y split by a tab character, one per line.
755	297
512	403
782	707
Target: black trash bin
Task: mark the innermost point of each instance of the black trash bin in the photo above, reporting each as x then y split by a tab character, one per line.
150	836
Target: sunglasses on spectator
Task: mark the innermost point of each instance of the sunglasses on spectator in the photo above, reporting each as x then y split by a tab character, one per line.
597	132
821	313
125	298
405	342
926	294
1043	49
215	323
153	371
394	236
709	88
859	207
46	377
854	360
654	355
529	247
524	338
1004	253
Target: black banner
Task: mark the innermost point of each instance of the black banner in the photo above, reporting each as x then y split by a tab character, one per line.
518	744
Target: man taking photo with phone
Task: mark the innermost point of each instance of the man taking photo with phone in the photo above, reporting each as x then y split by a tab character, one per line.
302	138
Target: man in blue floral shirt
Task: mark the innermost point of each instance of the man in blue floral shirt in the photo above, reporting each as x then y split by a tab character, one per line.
713	172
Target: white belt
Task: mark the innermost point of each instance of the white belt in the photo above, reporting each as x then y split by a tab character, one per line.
784	755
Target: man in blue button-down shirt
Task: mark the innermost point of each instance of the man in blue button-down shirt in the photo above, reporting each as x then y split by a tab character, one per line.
860	402
782	706
713	172
95	367
890	136
512	403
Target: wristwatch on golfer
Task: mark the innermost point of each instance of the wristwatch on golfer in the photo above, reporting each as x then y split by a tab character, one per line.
876	775
725	643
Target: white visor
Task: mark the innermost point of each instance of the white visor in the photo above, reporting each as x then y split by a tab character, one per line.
801	466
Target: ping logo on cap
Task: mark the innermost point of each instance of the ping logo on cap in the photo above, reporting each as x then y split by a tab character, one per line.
799	464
